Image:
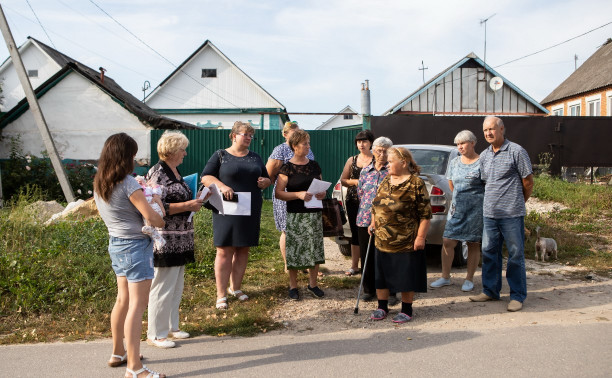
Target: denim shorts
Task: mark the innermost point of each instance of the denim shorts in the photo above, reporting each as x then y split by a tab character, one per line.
132	258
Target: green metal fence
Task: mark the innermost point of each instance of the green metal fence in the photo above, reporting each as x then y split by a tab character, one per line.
330	147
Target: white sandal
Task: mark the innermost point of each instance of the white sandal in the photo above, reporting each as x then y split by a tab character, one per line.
221	303
152	374
238	294
122	360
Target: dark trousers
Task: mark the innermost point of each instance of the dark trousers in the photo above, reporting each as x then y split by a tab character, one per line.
370	269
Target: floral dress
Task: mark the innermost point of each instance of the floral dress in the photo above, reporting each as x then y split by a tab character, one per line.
465	214
179	248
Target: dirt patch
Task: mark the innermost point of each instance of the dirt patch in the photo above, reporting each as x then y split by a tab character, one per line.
557	294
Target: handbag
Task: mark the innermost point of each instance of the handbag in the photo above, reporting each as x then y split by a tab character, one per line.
332	218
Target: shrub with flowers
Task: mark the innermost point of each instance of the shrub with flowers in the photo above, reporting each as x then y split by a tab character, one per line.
20	171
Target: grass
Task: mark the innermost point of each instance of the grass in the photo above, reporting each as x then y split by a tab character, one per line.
57	283
582	231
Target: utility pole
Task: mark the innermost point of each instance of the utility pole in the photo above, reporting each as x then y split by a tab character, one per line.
35	108
423	68
575	62
485	56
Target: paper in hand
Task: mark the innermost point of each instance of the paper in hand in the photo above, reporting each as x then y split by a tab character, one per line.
203	194
316	186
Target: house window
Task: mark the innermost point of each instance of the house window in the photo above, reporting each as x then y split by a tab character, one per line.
558	112
574	110
594	108
348	116
209	72
32	73
610	106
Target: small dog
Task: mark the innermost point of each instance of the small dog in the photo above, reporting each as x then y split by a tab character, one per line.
546	246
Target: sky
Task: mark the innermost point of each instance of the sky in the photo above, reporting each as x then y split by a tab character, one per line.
312	56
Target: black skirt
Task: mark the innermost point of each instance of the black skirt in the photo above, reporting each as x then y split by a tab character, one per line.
401	272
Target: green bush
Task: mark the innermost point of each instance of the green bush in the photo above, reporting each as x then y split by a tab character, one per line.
22	170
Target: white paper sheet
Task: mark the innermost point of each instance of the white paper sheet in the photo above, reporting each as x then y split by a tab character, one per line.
203	194
215	198
316	186
242	207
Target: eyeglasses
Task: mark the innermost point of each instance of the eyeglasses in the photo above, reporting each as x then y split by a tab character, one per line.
245	135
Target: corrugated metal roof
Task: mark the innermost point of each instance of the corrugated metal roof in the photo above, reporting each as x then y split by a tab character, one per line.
594	73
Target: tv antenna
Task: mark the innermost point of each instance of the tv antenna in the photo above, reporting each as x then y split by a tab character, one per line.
423	68
485	40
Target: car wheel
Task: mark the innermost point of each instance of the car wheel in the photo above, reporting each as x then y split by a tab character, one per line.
345	249
458	259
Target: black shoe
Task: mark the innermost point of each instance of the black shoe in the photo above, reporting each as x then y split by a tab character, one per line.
316	291
393	300
294	294
367	297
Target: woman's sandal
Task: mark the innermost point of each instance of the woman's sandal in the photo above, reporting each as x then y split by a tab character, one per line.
122	360
238	294
351	272
134	374
221	303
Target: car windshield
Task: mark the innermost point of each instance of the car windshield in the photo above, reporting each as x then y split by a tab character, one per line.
431	161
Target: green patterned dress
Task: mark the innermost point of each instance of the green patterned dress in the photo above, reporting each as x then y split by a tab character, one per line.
304	240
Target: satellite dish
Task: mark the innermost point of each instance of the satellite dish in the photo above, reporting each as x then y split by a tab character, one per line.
496	83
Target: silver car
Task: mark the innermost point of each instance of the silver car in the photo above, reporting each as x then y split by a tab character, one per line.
434	160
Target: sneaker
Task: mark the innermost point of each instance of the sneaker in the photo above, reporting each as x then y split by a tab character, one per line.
467	286
440	282
392	301
294	294
514	306
316	291
378	314
164	344
178	335
401	318
482	297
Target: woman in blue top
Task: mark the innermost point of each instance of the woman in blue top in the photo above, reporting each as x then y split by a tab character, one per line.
465	214
122	205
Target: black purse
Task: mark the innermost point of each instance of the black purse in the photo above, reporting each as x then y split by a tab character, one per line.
332	215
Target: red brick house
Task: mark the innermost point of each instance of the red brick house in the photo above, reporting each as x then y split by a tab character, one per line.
588	90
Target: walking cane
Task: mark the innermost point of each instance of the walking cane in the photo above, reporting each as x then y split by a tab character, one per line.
363	269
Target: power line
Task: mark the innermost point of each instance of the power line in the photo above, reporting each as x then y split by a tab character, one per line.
558	44
40	23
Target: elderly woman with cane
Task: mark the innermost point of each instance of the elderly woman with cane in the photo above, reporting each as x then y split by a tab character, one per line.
401	214
369	179
465	215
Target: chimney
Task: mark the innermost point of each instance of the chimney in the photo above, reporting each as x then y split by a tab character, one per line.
102	71
365	98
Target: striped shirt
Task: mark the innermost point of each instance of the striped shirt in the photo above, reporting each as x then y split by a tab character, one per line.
503	172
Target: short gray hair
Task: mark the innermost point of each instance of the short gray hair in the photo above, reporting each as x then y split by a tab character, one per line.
382	142
465	136
498	122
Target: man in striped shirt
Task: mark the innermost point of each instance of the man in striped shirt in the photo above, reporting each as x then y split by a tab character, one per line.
506	168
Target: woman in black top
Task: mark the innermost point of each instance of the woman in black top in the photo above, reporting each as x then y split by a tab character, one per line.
304	240
350	179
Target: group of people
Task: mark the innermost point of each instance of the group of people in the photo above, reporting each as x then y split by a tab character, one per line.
388	207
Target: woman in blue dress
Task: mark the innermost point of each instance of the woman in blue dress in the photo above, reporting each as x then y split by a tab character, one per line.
235	169
464	221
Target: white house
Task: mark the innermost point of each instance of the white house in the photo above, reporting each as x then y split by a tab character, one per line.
342	121
208	90
81	106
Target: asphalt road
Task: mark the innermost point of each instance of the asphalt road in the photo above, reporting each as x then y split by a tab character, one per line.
535	351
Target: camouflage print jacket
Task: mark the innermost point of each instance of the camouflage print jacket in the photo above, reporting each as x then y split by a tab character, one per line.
397	211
